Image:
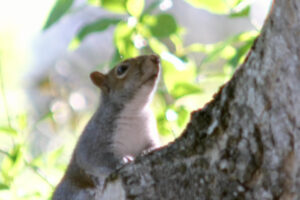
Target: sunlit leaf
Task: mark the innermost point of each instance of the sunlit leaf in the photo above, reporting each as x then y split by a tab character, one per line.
94	2
8	130
122	32
163	25
172	75
215	6
97	26
16	154
196	47
54	155
242	13
183	116
13	164
224	49
135	7
60	8
235	8
22	121
177	41
177	62
241	53
228	52
159	103
4	186
48	115
157	46
162	125
159	106
240	1
117	6
184	88
249	35
38	160
74	44
174	119
123	40
214	51
32	195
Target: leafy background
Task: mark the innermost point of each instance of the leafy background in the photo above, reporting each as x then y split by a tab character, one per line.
41	120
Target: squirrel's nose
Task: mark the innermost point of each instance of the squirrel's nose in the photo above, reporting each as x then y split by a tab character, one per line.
155	59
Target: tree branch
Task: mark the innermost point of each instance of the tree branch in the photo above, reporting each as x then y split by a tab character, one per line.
245	144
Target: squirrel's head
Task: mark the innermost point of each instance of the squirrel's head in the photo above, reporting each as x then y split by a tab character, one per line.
133	78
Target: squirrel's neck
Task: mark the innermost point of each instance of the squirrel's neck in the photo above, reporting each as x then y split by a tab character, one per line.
106	112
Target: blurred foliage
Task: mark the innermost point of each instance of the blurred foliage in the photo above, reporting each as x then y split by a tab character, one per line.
139	29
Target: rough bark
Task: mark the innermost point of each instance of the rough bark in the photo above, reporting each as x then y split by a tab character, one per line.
245	144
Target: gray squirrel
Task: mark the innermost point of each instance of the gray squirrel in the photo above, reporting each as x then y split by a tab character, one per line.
122	127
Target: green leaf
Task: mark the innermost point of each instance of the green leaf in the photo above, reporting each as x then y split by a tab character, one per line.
174	72
22	121
224	49
4	186
123	40
94	2
196	47
183	116
183	89
116	6
59	9
163	25
8	130
214	51
162	125
214	6
157	46
37	161
237	2
16	154
74	44
240	53
48	115
13	164
97	26
54	155
33	195
135	7
242	13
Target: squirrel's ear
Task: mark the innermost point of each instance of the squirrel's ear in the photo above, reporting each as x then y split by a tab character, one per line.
99	80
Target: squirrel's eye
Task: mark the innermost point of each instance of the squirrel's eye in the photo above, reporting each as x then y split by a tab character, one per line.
121	70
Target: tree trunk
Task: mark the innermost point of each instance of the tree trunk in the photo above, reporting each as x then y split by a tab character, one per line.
245	144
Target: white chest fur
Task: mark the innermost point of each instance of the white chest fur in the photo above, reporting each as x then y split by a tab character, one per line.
136	128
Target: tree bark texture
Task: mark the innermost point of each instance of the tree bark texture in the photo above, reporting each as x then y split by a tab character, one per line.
245	143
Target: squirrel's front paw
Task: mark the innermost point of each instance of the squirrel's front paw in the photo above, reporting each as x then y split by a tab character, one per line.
127	159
